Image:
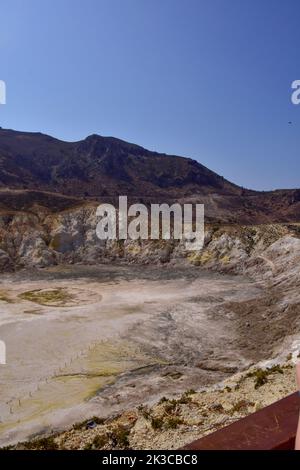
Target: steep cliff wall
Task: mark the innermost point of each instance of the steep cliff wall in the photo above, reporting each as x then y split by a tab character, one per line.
40	238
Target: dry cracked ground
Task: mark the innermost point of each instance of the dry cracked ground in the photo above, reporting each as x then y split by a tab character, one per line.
153	355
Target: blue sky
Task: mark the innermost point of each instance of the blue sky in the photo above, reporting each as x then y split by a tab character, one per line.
209	79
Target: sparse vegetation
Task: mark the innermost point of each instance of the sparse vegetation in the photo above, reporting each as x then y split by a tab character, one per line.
184	399
170	406
198	411
45	443
98	442
120	437
241	405
173	422
261	375
191	391
157	422
162	400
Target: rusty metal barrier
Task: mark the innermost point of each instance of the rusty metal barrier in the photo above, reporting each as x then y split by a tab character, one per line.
271	428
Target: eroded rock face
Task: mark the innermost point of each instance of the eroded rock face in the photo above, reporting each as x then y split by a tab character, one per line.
40	239
5	261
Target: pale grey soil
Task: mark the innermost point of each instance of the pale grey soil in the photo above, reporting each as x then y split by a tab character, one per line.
129	335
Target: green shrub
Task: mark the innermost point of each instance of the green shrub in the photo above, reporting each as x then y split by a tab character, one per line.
157	423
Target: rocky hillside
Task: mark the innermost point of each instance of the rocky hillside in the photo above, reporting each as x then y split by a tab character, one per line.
100	166
36	169
49	191
40	238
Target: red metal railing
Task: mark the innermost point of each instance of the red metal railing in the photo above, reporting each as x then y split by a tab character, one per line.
271	428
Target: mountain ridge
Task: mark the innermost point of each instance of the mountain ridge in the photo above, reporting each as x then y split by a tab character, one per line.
101	168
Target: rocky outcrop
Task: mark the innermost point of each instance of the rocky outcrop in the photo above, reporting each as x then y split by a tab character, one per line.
40	238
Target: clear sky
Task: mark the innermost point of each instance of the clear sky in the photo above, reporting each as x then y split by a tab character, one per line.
209	79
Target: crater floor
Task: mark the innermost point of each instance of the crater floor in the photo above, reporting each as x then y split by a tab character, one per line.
84	341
